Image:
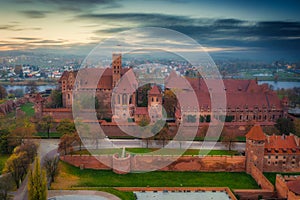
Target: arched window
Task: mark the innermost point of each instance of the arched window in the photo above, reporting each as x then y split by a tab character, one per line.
124	99
152	99
69	96
119	99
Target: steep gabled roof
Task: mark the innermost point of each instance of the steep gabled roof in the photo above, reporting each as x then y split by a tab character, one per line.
256	133
154	90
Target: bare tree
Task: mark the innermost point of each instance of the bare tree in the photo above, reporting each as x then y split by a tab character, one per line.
6	184
51	166
228	139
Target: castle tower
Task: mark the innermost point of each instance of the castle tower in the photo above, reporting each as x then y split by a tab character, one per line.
255	145
155	104
116	68
38	105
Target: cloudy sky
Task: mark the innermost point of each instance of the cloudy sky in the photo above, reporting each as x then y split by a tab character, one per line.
270	28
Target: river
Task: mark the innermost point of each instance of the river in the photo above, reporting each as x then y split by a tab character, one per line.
281	84
40	88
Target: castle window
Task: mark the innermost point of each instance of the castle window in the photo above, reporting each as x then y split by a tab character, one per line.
156	99
68	96
119	99
124	99
152	99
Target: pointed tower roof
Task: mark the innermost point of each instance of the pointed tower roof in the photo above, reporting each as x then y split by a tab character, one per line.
38	98
256	133
154	90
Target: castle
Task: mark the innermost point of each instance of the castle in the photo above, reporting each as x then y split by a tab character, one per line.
246	100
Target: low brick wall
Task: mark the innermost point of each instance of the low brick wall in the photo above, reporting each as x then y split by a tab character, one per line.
150	163
10	105
253	194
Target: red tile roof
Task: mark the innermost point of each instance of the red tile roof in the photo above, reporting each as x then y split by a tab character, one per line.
294	186
281	142
239	93
155	90
256	133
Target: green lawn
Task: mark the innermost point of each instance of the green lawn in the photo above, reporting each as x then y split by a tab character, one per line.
3	159
271	176
28	109
45	135
103	178
149	150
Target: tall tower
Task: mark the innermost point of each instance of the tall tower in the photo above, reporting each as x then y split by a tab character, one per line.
116	68
155	104
255	145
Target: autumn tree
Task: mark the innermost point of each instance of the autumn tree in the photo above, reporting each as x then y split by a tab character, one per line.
46	123
23	128
37	182
169	103
66	143
297	127
66	126
17	165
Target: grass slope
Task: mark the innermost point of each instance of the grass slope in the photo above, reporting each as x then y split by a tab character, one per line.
101	178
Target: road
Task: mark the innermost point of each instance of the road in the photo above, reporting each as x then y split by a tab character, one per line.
119	143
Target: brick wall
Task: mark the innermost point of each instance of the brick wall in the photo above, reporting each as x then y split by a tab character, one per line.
281	187
261	180
148	163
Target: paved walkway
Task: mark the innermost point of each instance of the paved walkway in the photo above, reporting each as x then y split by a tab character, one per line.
56	193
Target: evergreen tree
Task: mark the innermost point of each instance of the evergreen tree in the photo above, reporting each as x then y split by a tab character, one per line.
37	182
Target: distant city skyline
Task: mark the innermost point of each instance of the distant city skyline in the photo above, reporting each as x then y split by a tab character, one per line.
269	29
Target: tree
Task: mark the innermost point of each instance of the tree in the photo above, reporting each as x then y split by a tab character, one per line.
5	147
66	126
6	184
17	165
142	98
169	103
21	130
51	167
3	93
37	183
55	99
285	126
66	143
161	129
228	139
297	127
46	124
